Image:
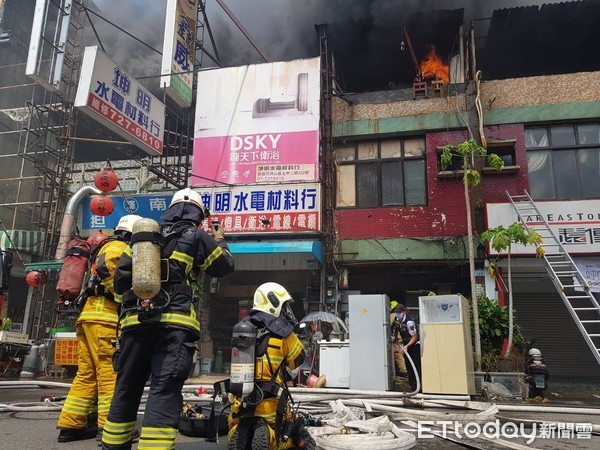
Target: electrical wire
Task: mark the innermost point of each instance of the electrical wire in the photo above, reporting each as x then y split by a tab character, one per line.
480	109
117	27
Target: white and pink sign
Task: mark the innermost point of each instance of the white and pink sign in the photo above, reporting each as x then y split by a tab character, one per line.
117	100
257	124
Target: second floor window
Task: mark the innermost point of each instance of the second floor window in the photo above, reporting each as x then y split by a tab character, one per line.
380	173
564	161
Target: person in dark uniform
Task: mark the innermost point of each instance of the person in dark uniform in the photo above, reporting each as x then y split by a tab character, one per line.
407	329
159	342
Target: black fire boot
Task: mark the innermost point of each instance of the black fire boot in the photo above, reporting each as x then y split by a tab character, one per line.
77	434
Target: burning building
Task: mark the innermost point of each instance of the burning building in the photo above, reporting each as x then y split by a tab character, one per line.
395	88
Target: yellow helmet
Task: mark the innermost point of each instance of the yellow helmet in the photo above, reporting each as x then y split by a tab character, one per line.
393	304
270	298
274	299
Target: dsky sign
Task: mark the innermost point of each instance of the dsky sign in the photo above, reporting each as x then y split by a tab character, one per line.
115	99
257	124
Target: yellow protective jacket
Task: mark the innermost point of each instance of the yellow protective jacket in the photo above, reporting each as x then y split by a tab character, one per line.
103	308
289	351
96	333
280	350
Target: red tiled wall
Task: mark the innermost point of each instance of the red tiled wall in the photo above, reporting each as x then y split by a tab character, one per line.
445	214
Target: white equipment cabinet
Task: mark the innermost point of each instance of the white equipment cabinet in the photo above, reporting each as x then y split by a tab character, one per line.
334	363
371	361
446	349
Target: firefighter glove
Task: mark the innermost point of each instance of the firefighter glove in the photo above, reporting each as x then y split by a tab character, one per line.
217	231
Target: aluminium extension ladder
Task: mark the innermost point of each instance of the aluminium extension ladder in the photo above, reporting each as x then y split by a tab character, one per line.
563	272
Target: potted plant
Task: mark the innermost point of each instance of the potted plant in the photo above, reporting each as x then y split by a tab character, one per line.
494	329
502	239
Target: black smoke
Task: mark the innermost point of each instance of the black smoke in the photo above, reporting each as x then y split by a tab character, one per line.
284	29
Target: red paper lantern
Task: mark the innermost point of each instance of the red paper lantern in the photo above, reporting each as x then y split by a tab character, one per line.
106	180
101	205
35	278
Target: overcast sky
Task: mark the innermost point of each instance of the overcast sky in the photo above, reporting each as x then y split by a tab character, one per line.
284	29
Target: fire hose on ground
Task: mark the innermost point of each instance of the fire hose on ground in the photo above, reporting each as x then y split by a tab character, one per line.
345	426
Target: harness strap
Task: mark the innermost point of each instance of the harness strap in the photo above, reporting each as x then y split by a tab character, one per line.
77	251
151	236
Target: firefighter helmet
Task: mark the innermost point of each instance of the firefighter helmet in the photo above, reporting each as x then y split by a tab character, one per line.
188	196
534	352
393	304
274	299
126	223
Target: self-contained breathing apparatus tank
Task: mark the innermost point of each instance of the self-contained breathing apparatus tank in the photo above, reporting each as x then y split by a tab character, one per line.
145	260
243	344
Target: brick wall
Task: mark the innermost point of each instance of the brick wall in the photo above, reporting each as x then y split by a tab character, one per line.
445	213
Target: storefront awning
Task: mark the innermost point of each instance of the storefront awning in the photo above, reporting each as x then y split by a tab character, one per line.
44	266
281	255
22	240
278	255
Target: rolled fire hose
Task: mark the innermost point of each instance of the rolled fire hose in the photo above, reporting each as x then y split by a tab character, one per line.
383	435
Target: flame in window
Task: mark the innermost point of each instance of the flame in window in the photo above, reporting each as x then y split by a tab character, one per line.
433	67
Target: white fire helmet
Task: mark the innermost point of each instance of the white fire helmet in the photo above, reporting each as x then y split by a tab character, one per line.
534	352
189	196
126	223
273	299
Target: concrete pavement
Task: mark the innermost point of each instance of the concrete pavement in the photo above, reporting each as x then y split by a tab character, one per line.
37	430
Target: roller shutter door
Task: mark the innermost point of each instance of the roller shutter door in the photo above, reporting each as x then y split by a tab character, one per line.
542	314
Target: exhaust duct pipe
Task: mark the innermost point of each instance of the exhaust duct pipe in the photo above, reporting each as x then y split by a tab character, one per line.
66	228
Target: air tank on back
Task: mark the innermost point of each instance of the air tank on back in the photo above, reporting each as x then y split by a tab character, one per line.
145	262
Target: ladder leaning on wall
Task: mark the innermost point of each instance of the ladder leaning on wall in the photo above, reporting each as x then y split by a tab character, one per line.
566	277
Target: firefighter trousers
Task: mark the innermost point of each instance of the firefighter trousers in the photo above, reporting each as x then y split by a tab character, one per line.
95	378
165	354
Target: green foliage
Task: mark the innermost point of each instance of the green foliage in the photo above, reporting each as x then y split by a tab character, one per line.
464	151
502	238
493	325
473	177
199	289
490	361
6	324
495	161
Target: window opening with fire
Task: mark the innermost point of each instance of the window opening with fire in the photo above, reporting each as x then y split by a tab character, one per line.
381	173
564	161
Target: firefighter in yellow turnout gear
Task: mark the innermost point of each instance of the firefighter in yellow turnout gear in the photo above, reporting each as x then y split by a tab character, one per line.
96	333
260	420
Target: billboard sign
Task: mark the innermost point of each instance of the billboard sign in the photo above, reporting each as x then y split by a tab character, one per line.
289	208
115	99
48	43
150	206
257	124
576	224
179	50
